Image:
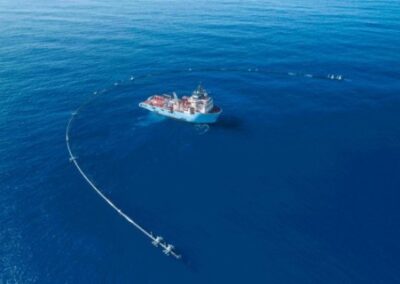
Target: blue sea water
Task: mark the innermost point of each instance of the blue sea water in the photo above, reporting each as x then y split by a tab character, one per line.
298	182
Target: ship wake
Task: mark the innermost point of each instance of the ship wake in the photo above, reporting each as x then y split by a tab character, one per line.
149	119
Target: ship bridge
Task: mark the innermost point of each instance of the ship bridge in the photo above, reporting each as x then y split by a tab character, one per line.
200	100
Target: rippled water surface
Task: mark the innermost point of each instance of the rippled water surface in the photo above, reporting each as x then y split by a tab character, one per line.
297	183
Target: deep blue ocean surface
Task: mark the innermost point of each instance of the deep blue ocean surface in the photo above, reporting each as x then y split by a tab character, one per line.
299	181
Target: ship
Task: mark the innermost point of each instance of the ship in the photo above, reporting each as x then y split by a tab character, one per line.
197	108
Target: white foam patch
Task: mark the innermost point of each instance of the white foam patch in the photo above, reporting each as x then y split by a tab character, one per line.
202	128
149	119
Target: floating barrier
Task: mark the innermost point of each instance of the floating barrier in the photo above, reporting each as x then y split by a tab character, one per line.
158	241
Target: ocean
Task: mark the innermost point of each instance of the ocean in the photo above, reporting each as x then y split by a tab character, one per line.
298	182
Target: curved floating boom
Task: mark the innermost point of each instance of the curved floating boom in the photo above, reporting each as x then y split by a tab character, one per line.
157	241
168	249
